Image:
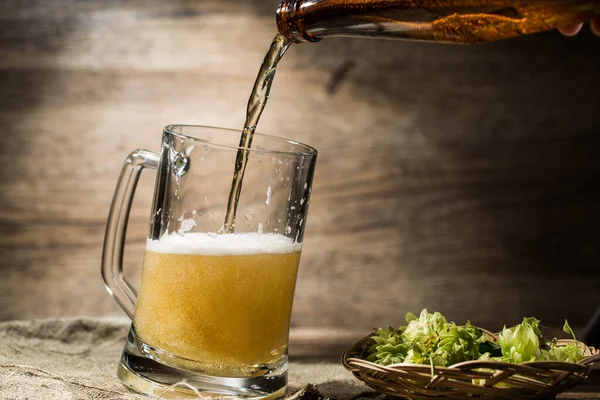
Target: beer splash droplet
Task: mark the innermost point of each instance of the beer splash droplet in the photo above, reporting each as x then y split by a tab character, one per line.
186	225
268	200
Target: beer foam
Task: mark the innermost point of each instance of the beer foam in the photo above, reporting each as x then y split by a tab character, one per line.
199	243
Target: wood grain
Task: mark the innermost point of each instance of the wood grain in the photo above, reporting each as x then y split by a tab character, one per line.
461	179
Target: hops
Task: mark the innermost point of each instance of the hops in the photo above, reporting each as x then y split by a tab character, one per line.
388	347
522	342
430	339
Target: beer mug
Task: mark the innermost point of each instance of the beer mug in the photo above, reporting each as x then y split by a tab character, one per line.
212	313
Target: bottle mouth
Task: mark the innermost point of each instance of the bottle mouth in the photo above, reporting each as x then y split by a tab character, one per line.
289	22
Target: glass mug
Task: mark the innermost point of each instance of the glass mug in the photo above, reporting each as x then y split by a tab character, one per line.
213	309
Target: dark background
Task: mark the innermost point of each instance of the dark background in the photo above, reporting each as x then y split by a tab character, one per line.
461	179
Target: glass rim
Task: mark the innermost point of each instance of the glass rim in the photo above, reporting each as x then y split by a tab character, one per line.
307	150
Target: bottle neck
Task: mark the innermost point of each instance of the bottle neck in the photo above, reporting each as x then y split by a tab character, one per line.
290	22
312	20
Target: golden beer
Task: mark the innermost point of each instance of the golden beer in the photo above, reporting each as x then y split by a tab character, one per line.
223	303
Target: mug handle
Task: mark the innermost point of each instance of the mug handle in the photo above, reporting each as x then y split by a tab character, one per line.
114	239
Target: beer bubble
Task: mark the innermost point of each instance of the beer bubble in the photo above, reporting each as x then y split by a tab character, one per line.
288	230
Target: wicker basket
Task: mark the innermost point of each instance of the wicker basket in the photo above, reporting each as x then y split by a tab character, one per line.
466	380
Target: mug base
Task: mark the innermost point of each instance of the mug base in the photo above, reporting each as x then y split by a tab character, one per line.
145	375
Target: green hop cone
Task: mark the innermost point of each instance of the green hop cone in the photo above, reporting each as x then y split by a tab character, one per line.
458	344
387	347
572	352
569	353
423	332
521	343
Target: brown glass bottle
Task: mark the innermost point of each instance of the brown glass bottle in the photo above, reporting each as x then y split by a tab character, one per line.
451	21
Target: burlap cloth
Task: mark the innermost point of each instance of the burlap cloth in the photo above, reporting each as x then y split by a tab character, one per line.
76	358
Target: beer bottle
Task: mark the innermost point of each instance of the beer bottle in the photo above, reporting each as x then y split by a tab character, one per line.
450	21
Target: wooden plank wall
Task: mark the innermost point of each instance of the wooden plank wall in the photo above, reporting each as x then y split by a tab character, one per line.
462	179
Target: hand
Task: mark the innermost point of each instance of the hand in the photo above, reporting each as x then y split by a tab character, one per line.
573	30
